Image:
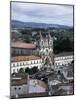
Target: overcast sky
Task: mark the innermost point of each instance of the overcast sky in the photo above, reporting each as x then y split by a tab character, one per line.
42	13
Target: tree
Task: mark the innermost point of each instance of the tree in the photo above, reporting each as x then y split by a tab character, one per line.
21	70
27	70
63	45
34	70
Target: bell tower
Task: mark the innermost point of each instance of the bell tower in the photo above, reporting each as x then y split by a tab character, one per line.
46	49
41	41
50	42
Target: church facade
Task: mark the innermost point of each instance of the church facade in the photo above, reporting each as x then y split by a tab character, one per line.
46	52
46	49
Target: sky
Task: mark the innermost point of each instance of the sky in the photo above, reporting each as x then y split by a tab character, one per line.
42	13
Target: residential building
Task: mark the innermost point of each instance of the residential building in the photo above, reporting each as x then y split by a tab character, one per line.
19	84
64	58
21	48
18	62
23	86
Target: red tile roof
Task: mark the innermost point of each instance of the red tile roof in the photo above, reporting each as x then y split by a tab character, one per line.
22	45
24	58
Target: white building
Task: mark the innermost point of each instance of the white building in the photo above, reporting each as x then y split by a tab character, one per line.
18	87
37	86
63	58
23	85
25	61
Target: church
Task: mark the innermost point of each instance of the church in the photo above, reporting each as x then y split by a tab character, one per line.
46	48
24	55
47	55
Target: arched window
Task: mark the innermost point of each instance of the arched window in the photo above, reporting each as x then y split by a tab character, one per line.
37	62
17	70
13	65
13	70
34	62
17	64
23	64
20	64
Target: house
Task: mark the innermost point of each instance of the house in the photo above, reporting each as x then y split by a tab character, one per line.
37	86
19	85
23	86
22	48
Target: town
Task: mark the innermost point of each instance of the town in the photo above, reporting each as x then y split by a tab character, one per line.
39	67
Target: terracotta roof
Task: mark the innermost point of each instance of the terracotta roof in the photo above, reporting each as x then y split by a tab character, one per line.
24	58
64	54
22	45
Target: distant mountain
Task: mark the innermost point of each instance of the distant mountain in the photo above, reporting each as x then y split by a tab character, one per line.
20	24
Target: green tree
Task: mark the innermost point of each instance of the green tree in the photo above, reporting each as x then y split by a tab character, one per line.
34	70
27	70
21	70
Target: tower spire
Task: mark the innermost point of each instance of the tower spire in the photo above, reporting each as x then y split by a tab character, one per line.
49	36
40	35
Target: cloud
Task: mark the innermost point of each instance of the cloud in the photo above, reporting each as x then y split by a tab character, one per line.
44	13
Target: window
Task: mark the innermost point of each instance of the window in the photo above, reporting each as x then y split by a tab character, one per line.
20	64
55	63
37	61
17	64
13	65
15	88
42	43
19	88
23	64
13	70
17	70
34	62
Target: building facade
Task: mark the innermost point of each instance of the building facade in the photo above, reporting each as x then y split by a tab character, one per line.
46	48
19	62
25	85
21	48
63	58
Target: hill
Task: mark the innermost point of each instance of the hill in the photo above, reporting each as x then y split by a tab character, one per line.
20	24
